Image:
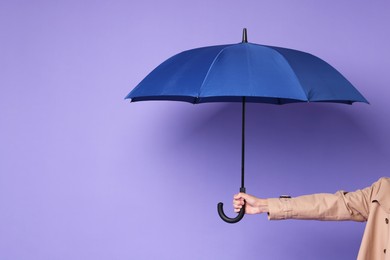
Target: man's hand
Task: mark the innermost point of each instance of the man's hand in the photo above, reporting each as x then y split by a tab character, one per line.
253	205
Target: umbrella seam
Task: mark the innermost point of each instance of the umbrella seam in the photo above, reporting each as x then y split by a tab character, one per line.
295	75
211	65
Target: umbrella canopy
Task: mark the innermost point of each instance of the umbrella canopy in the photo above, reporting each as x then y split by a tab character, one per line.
265	74
245	72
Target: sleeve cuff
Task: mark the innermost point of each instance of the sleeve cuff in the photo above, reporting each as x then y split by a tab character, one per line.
279	208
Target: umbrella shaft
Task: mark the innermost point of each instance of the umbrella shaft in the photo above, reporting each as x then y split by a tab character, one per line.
243	146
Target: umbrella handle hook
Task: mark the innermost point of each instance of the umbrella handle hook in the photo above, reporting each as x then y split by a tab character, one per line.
225	218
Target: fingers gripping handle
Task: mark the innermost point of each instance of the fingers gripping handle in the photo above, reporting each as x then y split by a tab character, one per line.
231	220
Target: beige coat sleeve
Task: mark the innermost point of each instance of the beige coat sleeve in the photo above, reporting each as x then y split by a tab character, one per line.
323	206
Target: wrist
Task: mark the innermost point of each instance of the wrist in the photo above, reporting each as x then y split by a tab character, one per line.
262	206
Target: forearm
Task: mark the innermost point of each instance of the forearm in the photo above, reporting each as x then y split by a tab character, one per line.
321	206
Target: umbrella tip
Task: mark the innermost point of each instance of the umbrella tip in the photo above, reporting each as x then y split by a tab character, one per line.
244	36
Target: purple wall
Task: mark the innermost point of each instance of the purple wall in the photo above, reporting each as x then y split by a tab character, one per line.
86	175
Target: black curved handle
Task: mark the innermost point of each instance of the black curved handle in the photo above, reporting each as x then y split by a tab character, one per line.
226	218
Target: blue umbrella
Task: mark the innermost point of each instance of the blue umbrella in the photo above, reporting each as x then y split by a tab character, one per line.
245	72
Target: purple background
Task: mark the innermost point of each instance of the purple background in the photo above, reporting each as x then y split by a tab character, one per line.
86	175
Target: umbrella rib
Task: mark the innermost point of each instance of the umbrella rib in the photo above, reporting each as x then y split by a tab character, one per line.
295	75
210	67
